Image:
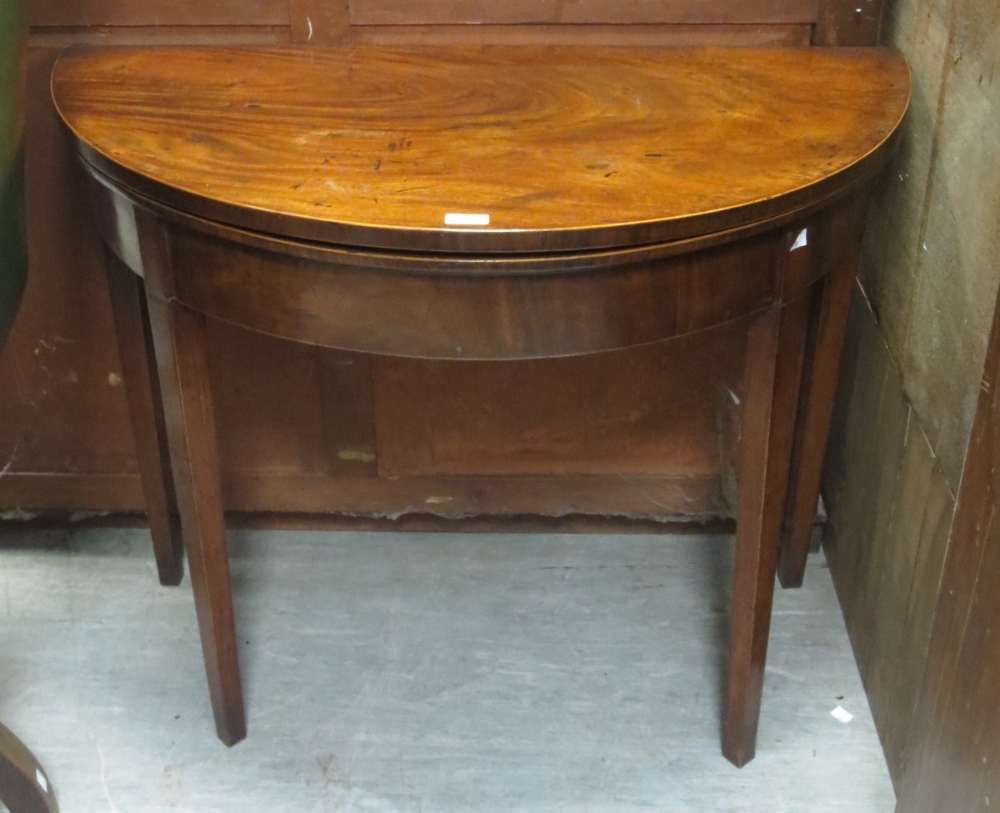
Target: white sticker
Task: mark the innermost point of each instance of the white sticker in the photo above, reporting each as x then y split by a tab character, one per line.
842	714
465	219
801	241
43	783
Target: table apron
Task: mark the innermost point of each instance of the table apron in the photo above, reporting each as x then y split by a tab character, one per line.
462	308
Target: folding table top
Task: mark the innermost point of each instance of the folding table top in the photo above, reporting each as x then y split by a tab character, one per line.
484	149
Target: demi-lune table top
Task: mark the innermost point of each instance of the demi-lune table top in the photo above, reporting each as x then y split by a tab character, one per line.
484	149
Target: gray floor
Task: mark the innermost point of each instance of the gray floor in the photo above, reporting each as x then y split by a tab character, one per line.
423	672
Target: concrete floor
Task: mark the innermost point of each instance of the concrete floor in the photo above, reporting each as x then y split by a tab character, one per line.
425	672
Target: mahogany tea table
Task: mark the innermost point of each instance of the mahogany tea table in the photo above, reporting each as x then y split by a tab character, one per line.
504	202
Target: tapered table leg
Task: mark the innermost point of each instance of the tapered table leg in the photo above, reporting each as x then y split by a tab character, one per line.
179	340
142	389
839	246
774	363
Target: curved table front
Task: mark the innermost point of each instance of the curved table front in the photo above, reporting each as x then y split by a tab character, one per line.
484	203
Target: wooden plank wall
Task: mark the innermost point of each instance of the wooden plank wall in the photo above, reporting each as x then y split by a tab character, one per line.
914	366
956	747
363	435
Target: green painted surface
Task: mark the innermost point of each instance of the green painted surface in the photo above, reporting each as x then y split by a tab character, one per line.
13	251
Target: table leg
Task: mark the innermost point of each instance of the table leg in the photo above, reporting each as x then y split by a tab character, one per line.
774	364
179	341
839	245
142	389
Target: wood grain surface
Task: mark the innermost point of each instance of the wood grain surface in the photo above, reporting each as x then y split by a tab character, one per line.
778	35
954	745
187	13
579	12
563	148
641	412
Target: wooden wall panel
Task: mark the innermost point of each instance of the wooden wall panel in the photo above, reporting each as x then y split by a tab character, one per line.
320	22
890	515
65	409
348	412
29	495
268	404
156	12
674	36
956	743
653	411
905	570
626	497
929	280
155	37
331	21
856	23
957	276
893	252
892	417
622	497
579	12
